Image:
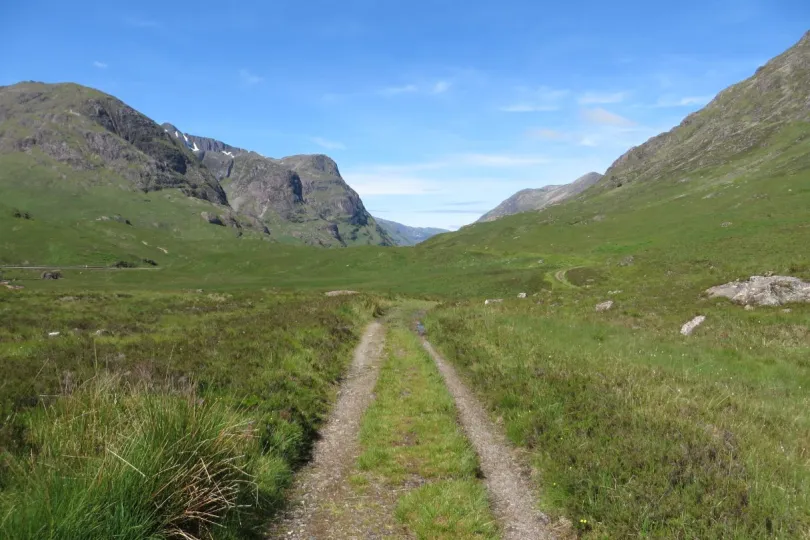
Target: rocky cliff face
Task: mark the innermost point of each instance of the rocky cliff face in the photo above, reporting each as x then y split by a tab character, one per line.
89	130
301	198
303	194
528	200
753	114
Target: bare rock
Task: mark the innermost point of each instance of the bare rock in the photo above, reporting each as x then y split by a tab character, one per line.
340	293
688	328
522	295
604	306
51	274
493	301
764	291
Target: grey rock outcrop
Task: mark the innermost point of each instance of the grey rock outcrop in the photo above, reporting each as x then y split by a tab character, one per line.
764	291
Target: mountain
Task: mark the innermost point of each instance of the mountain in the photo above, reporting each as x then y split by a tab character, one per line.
404	235
768	110
94	132
74	142
303	195
536	199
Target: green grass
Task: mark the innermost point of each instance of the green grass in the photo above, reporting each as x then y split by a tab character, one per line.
639	430
188	414
410	437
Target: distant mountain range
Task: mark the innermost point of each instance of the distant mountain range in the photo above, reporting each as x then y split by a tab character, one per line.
404	235
295	199
528	200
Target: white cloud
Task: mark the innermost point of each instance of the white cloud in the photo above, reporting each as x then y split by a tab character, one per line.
100	65
589	140
543	133
249	78
527	107
542	99
329	145
499	160
602	116
396	90
591	98
370	184
689	101
440	87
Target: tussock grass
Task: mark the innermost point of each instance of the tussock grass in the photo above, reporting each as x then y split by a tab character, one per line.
110	461
639	431
185	418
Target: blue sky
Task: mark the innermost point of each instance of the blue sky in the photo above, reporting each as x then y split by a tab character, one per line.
434	110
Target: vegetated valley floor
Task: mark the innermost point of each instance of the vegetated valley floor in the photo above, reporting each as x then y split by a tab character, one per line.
629	428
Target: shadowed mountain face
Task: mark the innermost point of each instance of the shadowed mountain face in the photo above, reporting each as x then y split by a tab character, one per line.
298	199
304	195
528	200
91	131
403	235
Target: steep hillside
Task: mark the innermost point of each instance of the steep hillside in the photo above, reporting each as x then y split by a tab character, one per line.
536	199
94	132
302	198
403	235
764	115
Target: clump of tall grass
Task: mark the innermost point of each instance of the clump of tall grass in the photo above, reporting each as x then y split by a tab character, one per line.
116	461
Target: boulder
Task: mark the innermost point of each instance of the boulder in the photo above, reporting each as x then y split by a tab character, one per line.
689	327
604	306
51	274
764	291
340	293
493	301
522	295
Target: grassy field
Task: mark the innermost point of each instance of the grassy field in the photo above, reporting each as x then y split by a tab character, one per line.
153	415
638	430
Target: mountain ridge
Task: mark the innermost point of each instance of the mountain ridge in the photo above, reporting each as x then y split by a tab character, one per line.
405	235
527	200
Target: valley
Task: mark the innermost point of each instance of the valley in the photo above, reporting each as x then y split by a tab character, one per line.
522	377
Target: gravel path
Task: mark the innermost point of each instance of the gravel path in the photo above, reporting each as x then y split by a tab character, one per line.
511	493
322	486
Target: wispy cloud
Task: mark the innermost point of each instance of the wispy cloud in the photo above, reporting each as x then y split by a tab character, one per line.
100	65
370	184
329	145
595	98
542	99
396	90
440	87
249	78
689	101
498	160
604	117
139	22
527	107
549	134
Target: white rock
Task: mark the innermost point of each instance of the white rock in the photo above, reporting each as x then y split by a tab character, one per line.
522	295
604	306
493	301
53	334
764	291
689	327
